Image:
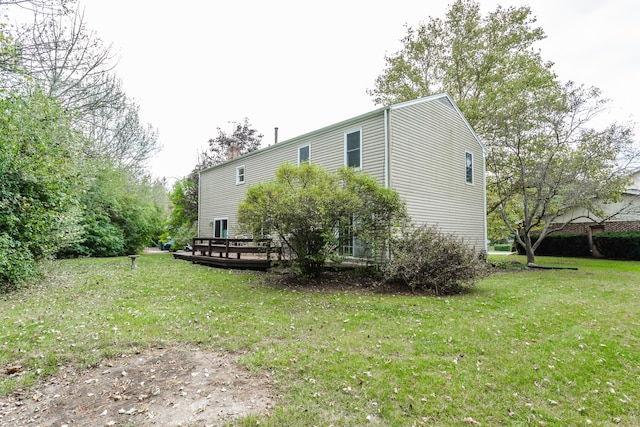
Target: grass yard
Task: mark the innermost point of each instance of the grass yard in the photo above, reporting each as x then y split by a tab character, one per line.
526	348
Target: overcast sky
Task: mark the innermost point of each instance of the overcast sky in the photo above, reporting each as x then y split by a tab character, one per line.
195	66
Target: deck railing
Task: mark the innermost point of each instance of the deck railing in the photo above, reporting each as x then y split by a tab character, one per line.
208	246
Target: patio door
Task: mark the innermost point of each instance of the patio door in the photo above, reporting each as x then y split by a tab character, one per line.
220	228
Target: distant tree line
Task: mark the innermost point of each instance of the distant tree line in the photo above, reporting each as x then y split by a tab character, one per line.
73	150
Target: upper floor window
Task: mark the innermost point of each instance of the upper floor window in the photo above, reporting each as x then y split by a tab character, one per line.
240	175
469	167
353	149
304	154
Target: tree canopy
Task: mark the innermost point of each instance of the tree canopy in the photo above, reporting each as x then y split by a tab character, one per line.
313	211
545	157
73	150
225	146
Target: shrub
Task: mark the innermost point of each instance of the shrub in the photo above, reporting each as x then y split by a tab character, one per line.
16	263
502	247
311	210
618	245
424	258
562	245
184	235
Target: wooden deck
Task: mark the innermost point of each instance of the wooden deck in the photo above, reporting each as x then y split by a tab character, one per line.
249	254
254	262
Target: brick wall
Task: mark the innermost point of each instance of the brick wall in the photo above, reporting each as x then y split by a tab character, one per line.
612	226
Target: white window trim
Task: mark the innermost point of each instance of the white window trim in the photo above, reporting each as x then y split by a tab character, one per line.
345	146
244	175
222	218
472	168
301	147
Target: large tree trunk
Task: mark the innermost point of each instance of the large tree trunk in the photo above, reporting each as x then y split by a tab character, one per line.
528	247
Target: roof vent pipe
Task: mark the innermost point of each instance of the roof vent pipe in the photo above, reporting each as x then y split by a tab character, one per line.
275	136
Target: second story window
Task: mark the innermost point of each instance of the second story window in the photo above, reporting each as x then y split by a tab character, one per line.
469	167
240	175
353	149
304	154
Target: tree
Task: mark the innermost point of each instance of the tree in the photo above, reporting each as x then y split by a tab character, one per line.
305	206
115	132
72	148
549	162
184	196
69	62
58	54
182	223
244	139
480	61
543	156
185	208
120	214
40	183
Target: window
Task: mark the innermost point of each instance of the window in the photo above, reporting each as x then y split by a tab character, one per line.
304	154
346	239
240	175
220	228
349	245
353	151
469	167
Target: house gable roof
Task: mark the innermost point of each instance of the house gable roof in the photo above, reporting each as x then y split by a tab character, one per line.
446	98
345	123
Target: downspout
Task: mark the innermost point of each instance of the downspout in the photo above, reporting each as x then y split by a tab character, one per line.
484	183
386	167
386	148
199	201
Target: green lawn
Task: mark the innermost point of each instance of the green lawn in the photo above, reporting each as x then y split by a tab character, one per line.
552	347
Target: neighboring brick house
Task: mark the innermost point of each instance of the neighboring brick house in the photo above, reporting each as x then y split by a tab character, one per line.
620	216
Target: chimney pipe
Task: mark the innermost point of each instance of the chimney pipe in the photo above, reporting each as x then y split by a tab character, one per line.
275	136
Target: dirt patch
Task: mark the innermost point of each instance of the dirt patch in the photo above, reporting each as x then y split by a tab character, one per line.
157	387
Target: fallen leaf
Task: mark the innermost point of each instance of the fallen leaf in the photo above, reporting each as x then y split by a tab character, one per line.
13	369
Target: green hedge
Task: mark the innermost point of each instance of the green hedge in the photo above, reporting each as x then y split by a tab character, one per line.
562	245
618	245
502	247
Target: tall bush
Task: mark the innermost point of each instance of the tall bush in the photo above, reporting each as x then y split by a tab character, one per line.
426	259
40	182
309	208
17	265
561	245
120	215
618	245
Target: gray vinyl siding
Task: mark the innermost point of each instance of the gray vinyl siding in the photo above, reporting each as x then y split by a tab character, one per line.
220	196
427	168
